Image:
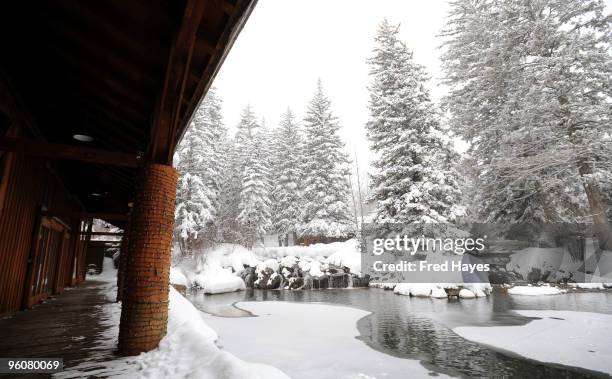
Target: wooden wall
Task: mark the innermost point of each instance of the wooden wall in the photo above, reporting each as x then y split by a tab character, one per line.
27	186
31	186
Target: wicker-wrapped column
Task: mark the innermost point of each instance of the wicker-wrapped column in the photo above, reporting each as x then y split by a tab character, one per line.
144	309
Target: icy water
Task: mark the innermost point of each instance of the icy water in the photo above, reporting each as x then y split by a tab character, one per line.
420	328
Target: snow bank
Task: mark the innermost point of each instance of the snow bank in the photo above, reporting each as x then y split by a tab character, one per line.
311	251
109	272
580	339
216	279
535	290
347	255
188	350
437	290
177	277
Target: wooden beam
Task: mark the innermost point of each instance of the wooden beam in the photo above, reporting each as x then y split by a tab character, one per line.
88	215
240	13
119	234
70	152
163	132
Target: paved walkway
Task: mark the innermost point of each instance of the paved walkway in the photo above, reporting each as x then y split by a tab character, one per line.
79	326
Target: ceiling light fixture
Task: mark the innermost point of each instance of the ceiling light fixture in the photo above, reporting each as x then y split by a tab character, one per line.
83	137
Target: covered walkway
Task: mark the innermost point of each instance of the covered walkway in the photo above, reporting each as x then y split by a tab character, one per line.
79	326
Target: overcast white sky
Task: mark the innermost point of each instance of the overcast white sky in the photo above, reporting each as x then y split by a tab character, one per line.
287	44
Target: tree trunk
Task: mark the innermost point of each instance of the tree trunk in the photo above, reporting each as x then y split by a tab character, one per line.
602	229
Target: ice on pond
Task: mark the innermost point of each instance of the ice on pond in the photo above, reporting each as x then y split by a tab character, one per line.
308	341
580	339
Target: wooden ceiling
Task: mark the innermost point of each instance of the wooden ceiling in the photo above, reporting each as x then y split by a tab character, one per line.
129	73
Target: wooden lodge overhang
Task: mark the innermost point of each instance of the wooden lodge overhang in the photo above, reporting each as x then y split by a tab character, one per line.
129	73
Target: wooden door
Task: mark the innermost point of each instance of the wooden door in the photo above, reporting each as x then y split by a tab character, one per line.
46	260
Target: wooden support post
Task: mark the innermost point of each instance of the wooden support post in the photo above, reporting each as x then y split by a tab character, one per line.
144	310
123	257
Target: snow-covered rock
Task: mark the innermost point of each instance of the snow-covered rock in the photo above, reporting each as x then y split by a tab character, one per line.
437	290
589	286
271	264
535	290
216	271
177	277
465	293
215	279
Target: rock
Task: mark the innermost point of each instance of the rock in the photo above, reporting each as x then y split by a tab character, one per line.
296	283
249	276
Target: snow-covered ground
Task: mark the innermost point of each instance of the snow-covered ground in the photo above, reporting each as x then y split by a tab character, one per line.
579	339
187	351
322	345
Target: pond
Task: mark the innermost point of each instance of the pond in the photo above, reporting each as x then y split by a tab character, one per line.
421	328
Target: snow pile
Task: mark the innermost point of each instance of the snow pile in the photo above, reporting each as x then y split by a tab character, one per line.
438	290
233	256
188	350
580	339
535	290
311	251
347	255
216	279
177	277
109	272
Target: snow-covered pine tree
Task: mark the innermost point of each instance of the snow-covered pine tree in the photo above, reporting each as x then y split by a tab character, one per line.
199	162
229	195
325	169
287	192
415	179
254	203
194	210
533	97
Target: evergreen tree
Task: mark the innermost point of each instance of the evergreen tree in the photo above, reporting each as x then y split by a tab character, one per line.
416	181
229	195
326	189
530	88
199	162
287	192
254	202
